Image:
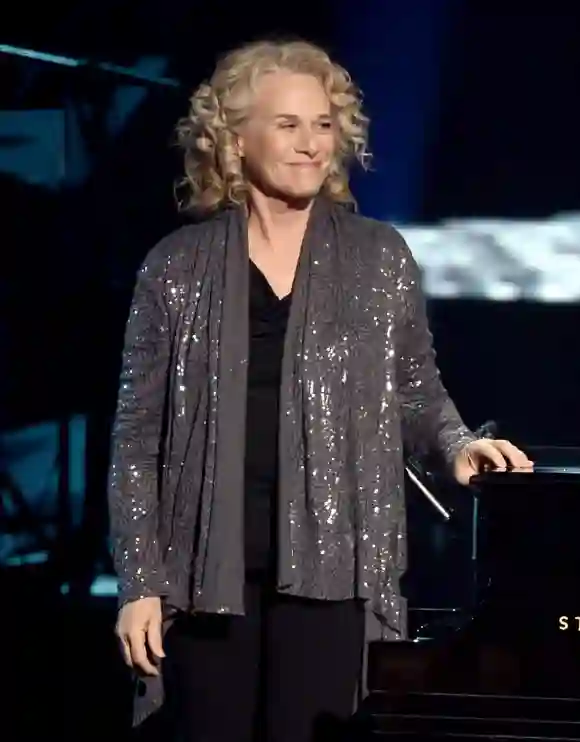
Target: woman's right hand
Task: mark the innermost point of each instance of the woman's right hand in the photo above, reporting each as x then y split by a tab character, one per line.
139	631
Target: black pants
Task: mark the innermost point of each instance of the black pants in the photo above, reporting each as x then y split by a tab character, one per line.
287	671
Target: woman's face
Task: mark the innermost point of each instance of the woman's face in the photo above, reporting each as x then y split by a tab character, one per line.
288	140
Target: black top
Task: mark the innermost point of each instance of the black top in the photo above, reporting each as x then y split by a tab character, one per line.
268	319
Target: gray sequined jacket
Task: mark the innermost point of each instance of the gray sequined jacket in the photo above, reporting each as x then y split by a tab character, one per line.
359	383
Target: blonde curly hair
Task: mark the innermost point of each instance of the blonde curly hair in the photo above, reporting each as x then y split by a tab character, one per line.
207	135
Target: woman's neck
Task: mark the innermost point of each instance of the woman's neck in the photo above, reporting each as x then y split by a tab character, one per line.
269	218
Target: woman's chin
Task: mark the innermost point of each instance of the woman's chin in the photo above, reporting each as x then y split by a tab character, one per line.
304	193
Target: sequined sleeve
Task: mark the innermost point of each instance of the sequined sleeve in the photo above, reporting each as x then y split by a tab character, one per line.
133	480
431	422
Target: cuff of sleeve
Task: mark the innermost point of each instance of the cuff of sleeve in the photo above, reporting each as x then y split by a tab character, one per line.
462	438
138	587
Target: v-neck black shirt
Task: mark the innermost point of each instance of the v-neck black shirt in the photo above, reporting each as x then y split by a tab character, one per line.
268	320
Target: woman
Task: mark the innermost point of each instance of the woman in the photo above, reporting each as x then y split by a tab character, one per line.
277	360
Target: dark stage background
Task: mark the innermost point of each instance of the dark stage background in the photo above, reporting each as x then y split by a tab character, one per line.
477	154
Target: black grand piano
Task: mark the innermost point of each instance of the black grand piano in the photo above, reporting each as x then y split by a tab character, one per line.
507	667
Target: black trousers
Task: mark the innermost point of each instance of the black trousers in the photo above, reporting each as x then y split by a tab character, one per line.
287	671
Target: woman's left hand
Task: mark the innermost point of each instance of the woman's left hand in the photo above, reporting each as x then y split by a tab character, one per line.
486	455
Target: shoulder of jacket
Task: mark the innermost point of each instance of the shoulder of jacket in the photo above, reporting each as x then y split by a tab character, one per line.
378	237
182	247
375	228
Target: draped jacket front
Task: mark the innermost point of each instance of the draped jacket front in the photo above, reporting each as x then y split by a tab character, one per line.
359	386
